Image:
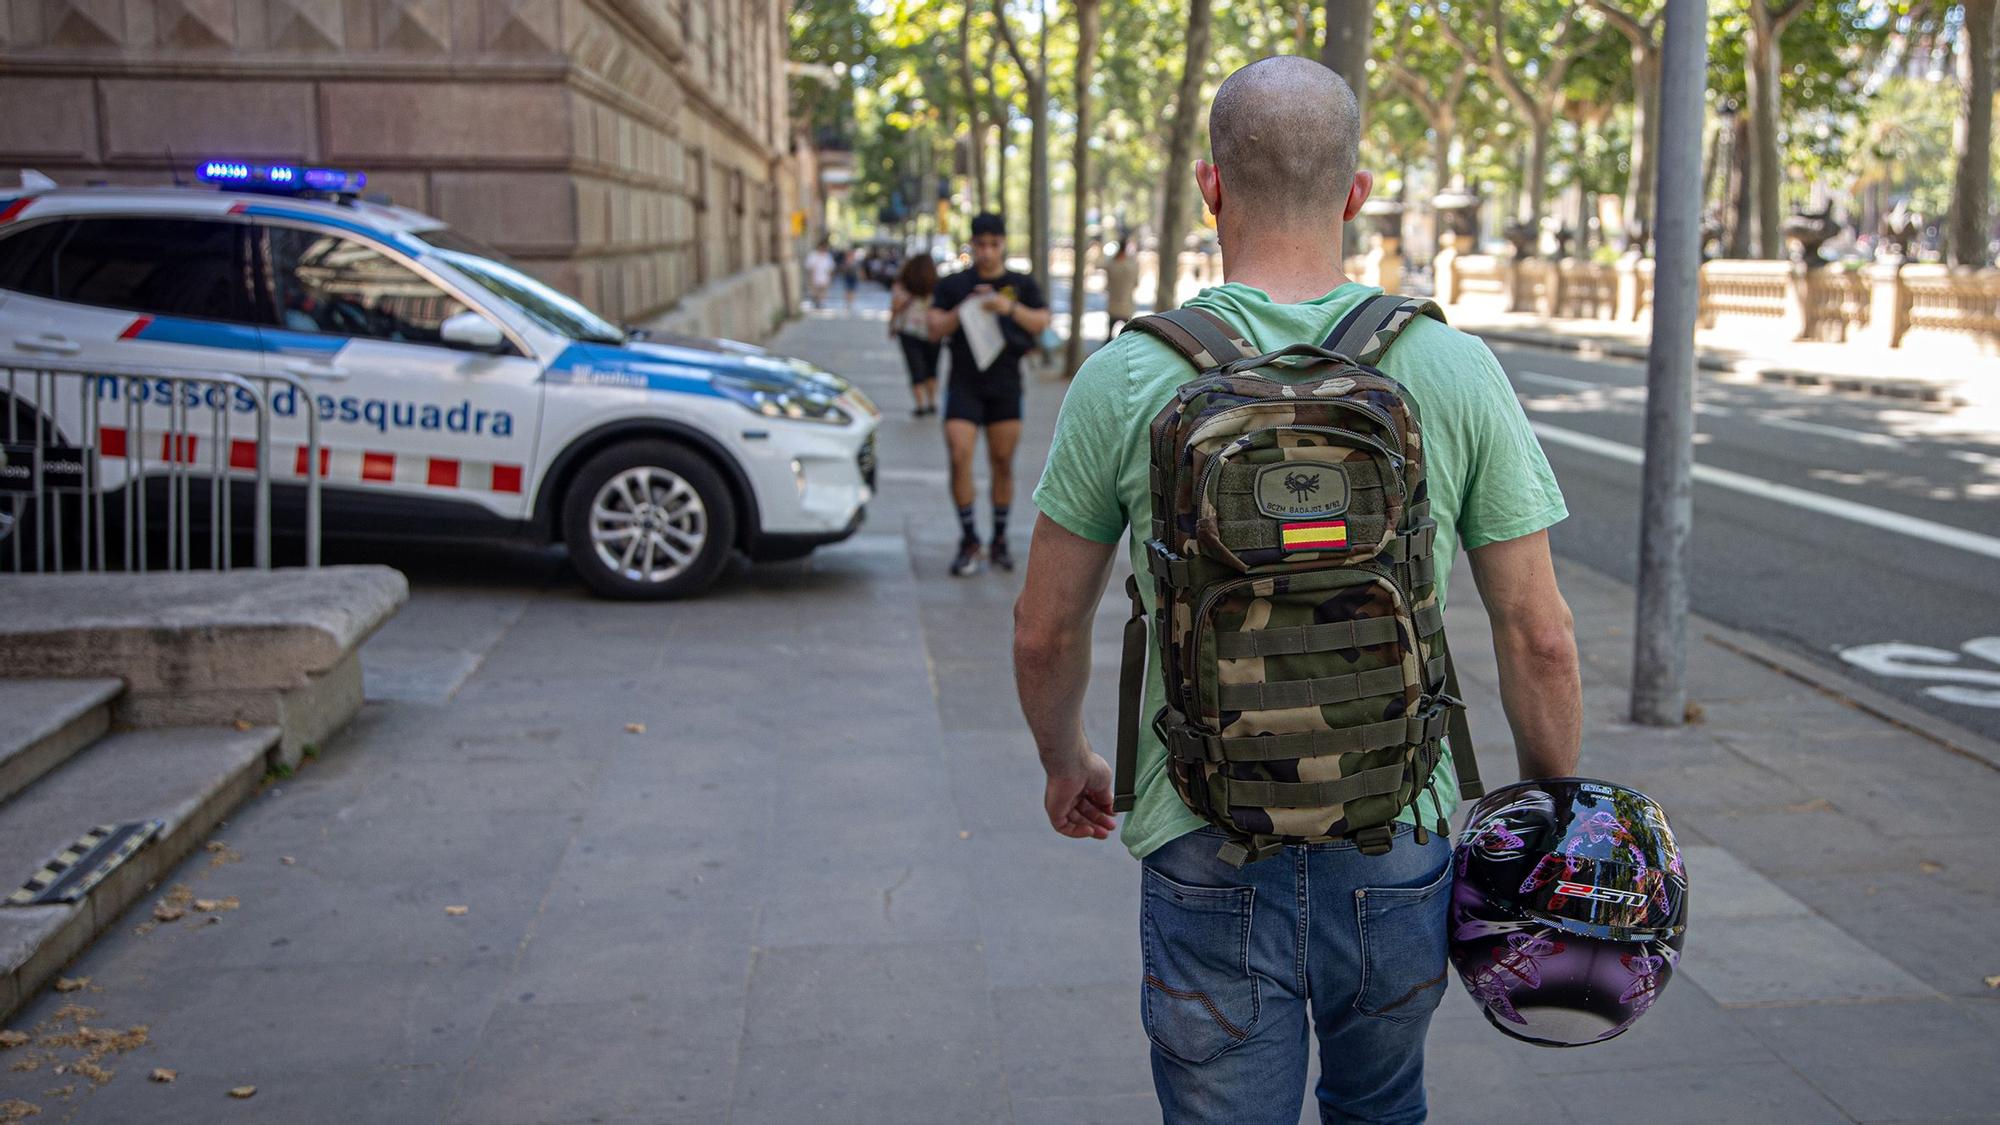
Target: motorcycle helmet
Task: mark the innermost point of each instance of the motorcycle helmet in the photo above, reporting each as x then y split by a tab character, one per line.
1568	910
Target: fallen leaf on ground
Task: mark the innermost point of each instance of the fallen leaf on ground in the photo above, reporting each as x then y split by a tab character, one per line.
635	728
242	1091
27	1065
162	1074
286	860
1817	804
12	1039
72	984
164	913
1930	867
93	1072
1993	981
223	853
965	835
59	1092
458	911
14	1109
1693	713
214	905
244	724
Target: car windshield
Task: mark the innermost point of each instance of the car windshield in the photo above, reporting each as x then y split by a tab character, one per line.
553	310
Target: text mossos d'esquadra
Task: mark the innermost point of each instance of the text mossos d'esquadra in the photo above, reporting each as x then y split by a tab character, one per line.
380	414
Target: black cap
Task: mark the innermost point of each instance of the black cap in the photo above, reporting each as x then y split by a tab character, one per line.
986	222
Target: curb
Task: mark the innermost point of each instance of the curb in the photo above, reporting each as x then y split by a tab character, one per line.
1943	393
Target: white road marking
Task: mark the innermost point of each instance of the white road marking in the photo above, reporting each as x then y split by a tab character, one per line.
1560	383
1904	525
1779	421
1922	662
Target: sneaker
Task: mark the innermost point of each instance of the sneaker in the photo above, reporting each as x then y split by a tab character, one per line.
967	562
1003	559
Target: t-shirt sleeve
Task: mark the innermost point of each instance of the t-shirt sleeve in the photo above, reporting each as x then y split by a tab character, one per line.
1079	487
950	293
1510	491
1029	294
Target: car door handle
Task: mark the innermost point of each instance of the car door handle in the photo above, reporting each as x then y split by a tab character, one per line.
48	343
316	370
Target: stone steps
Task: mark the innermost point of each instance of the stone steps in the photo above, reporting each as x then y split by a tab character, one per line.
188	777
43	722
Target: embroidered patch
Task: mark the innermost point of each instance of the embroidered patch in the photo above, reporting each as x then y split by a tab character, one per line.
1294	490
1320	535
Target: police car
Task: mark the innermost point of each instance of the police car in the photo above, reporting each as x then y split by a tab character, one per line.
458	397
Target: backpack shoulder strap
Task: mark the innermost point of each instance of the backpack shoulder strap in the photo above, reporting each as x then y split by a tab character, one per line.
1365	333
1201	337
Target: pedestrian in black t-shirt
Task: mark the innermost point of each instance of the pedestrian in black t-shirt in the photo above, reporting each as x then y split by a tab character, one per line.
988	398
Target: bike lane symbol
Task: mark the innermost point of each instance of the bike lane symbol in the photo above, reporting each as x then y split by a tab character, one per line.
1958	682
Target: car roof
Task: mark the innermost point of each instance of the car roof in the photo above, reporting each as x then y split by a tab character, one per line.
383	218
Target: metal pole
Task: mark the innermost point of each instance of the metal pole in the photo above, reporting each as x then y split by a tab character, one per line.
1659	691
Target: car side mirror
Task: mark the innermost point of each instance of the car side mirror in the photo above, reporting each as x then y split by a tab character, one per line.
470	330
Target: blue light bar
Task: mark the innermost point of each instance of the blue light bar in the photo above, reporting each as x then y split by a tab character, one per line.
279	177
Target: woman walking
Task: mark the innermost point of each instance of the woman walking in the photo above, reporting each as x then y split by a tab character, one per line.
909	308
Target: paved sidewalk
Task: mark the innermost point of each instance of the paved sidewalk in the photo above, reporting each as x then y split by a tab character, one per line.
1927	368
817	886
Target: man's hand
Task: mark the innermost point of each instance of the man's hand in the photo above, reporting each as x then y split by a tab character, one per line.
1079	802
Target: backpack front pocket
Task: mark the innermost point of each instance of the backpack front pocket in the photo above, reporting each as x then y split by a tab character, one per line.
1290	494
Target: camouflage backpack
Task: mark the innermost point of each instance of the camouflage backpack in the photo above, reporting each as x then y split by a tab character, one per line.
1298	627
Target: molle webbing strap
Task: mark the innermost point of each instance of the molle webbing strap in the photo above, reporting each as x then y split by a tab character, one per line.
1250	793
1429	619
1463	761
1202	337
1294	640
1190	744
1366	332
1250	534
1284	695
1131	691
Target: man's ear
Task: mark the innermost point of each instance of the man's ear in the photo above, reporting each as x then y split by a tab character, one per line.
1208	180
1357	194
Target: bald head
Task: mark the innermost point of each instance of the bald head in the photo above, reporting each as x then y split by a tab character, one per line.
1286	133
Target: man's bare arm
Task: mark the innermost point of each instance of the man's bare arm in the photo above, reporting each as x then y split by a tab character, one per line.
1052	618
1534	639
942	322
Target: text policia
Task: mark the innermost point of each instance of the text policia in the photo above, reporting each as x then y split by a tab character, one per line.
379	414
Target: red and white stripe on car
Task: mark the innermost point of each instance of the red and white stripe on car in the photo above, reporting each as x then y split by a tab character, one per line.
365	465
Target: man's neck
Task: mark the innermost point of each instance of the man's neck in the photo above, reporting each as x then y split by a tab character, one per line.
1290	270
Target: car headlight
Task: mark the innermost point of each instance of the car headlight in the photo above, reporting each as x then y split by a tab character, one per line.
789	400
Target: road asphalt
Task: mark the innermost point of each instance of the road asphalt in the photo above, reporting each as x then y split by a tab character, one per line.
778	855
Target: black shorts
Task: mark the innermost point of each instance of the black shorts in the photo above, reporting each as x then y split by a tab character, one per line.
921	356
983	402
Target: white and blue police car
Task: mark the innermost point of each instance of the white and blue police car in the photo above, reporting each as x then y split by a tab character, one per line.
457	396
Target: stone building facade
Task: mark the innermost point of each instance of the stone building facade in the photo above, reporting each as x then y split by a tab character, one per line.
632	152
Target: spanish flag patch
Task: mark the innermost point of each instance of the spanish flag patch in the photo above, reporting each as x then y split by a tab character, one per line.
1318	535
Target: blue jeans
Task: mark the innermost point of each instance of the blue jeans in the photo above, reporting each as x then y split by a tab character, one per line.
1233	958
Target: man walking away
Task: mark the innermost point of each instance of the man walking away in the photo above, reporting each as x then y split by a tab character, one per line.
989	397
819	272
1121	280
1238	960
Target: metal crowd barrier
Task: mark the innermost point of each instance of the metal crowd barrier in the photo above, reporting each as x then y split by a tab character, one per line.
65	424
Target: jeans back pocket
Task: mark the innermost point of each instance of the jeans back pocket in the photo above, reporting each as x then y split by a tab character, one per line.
1404	947
1200	998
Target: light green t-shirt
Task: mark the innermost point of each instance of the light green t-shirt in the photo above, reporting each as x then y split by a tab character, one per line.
1489	480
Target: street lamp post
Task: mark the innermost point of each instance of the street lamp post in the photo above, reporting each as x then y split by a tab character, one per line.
1659	670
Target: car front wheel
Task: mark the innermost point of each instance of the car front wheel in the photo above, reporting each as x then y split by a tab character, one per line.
648	520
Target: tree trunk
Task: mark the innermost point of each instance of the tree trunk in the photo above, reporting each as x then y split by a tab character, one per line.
1444	130
1086	62
1538	171
1740	211
1038	157
1302	29
1173	194
1001	120
1760	64
1645	138
975	129
1972	138
1345	51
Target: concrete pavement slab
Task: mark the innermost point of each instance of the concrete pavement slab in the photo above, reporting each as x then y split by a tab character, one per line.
1796	959
1909	1061
1053	1041
551	1062
890	994
918	1082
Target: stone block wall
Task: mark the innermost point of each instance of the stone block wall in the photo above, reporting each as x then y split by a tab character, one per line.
632	152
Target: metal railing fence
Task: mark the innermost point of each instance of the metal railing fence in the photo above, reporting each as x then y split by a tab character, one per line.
100	453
